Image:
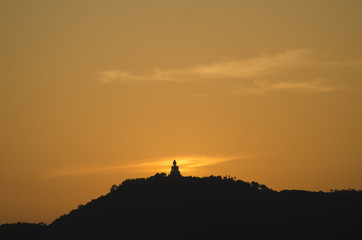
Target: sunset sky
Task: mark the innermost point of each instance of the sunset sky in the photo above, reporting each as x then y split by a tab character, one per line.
95	92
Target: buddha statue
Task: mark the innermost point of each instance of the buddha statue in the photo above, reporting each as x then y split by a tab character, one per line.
174	170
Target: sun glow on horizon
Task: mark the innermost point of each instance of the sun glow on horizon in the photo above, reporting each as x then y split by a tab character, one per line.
189	164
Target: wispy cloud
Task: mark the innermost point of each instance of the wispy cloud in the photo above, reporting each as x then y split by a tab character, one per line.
187	163
228	69
262	74
263	87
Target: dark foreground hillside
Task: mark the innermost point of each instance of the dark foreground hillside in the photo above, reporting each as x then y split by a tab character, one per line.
167	207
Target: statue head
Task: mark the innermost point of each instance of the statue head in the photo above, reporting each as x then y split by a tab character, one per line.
174	162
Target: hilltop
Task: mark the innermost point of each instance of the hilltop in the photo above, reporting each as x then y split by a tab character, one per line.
176	207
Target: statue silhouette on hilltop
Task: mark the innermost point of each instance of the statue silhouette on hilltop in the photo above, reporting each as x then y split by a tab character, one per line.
174	170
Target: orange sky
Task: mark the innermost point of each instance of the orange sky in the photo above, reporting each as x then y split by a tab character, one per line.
94	92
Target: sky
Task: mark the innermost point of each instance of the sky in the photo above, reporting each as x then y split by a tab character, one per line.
95	92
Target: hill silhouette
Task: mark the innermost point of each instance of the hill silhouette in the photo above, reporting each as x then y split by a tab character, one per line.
176	207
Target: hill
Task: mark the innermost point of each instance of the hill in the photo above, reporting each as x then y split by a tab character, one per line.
175	207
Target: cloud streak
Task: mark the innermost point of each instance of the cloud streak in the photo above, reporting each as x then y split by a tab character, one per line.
262	74
187	163
254	67
264	87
